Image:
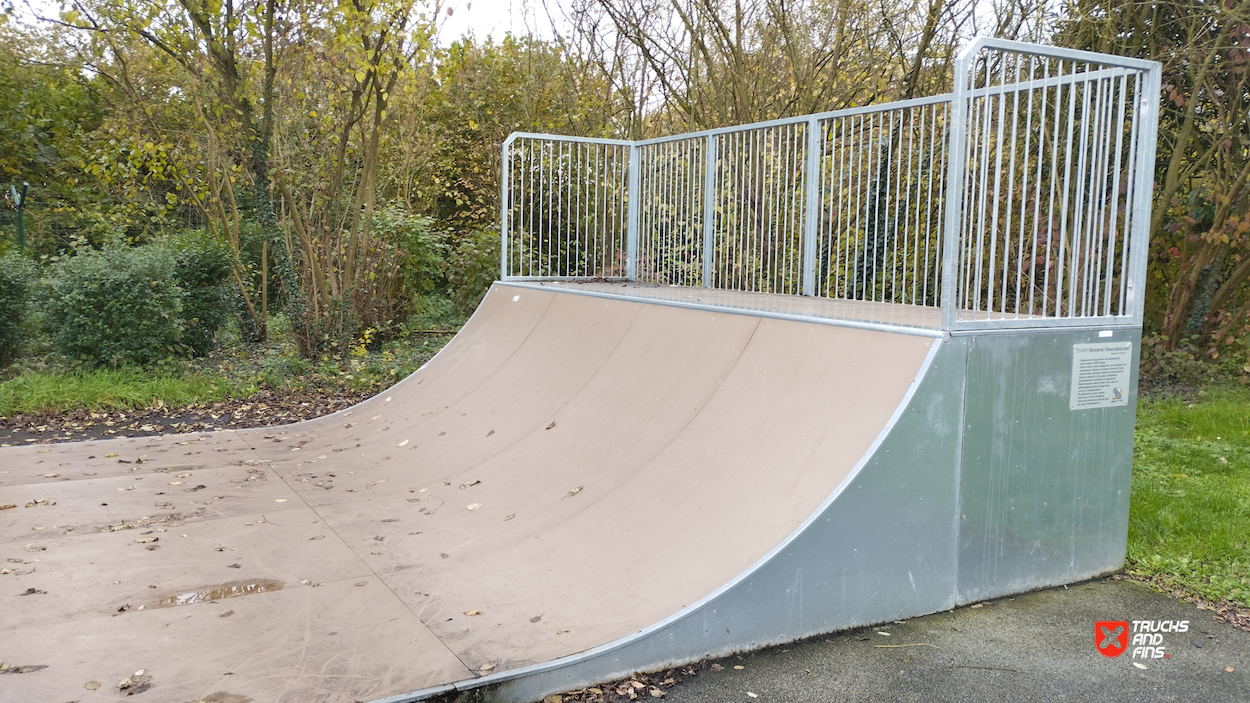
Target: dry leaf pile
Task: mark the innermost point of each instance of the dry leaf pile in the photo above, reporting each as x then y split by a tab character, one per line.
263	409
635	688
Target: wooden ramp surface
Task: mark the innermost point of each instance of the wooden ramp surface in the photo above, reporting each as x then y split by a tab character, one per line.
569	470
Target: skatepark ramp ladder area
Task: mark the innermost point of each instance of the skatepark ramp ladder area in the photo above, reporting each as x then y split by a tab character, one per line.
733	388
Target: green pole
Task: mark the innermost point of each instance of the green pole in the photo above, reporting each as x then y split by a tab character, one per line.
20	201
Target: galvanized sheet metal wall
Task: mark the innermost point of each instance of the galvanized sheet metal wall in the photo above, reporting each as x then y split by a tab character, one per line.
1044	490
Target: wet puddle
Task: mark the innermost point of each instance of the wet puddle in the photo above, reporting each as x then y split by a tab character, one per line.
230	589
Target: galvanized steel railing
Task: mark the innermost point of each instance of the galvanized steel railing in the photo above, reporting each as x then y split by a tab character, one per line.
1041	162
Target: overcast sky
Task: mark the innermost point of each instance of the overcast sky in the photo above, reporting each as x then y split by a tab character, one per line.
494	18
481	18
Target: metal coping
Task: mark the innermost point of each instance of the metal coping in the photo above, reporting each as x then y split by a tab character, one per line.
750	312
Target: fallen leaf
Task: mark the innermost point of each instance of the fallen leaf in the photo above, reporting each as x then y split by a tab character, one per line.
6	507
638	685
279	500
553	424
979	605
739	667
403	443
147	540
175	483
509	517
110	455
92	685
573	492
470	484
1139	665
1229	669
717	667
885	634
474	506
184	475
490	433
472	612
487	667
20	669
752	695
657	693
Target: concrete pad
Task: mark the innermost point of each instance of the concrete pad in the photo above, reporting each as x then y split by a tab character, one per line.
1034	648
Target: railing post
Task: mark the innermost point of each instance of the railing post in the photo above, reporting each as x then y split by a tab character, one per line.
812	203
505	205
1143	192
632	212
954	188
709	208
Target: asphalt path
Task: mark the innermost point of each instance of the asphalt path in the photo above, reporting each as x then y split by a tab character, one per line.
1035	647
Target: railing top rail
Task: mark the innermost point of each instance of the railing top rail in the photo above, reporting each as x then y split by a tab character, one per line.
780	122
1056	52
970	50
564	138
799	119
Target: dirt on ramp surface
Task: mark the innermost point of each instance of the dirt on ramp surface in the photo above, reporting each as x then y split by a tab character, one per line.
569	470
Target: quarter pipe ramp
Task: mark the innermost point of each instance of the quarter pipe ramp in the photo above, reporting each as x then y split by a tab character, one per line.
575	488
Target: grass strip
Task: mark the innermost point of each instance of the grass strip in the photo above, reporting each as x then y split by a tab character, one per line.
107	389
1189	520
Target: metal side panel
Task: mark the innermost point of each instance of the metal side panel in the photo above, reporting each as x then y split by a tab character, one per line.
881	548
1044	489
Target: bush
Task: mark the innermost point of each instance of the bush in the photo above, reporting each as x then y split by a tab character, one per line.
202	267
423	267
17	282
474	266
115	306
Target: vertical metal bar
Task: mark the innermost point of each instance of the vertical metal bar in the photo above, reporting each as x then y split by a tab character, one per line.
811	202
1147	128
911	233
709	205
633	208
1011	197
954	180
1024	197
1117	126
505	202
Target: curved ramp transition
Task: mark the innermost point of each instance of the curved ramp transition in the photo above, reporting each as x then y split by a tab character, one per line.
575	488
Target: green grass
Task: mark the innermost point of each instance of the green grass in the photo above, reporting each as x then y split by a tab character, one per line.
236	371
1189	523
108	389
